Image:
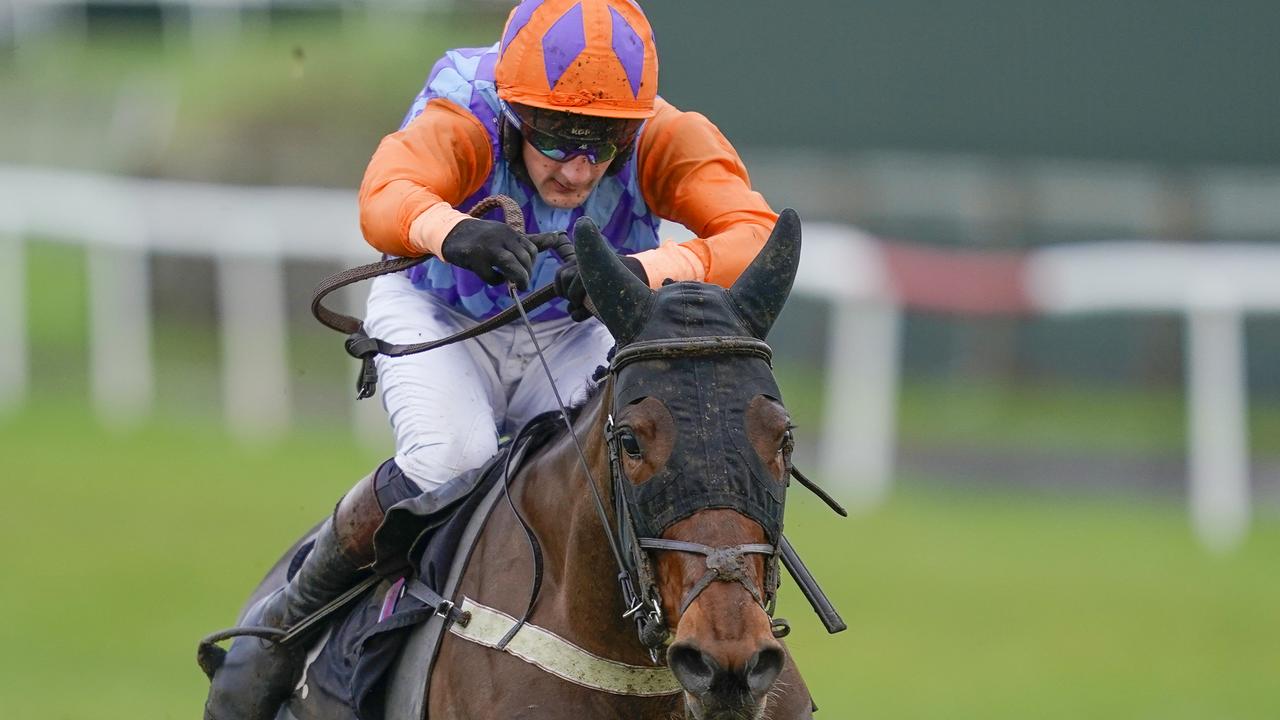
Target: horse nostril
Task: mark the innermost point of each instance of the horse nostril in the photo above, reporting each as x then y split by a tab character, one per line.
693	668
763	669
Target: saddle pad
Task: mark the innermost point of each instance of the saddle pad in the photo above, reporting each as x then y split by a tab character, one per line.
346	679
349	677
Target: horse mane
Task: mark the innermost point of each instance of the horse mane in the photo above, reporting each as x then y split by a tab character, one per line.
575	409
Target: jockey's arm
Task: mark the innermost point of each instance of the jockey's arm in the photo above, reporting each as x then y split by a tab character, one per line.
689	173
418	175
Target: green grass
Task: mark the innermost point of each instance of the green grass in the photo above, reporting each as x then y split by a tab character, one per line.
122	549
1006	606
1060	416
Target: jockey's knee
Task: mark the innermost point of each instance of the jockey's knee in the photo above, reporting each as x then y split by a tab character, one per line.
432	464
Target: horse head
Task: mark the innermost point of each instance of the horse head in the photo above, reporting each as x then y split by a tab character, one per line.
700	455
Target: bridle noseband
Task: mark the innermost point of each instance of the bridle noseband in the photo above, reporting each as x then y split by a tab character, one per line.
724	564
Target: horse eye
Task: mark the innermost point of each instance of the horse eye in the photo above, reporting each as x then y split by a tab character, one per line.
788	442
630	444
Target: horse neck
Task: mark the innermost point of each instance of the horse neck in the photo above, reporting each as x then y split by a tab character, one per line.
580	569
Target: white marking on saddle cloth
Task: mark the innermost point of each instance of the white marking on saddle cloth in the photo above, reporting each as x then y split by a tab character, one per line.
543	648
302	689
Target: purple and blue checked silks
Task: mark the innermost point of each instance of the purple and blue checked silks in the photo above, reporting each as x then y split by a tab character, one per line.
465	77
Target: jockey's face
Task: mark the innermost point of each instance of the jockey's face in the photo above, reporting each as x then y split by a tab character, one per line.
563	185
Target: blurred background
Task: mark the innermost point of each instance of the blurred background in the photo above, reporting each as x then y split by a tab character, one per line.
1033	343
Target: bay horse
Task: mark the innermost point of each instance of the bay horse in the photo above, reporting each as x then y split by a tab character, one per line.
673	481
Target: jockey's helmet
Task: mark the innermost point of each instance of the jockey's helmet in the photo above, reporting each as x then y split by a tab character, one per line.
589	57
576	77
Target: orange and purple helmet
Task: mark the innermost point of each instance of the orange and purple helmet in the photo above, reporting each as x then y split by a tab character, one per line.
590	57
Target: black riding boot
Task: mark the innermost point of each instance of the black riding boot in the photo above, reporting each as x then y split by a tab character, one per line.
258	676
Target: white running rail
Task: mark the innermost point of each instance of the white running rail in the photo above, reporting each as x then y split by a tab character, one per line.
250	231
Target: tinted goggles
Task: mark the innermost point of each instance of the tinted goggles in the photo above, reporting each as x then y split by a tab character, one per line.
599	149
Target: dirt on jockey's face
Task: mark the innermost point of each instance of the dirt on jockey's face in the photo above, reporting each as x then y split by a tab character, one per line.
563	185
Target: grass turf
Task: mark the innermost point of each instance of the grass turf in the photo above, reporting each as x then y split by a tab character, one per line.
121	550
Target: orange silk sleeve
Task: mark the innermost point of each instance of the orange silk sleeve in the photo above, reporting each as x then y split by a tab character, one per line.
442	156
690	173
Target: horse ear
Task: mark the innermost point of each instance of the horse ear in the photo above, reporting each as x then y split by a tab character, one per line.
622	301
763	287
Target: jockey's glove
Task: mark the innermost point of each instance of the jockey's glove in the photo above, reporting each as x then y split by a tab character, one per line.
491	250
569	285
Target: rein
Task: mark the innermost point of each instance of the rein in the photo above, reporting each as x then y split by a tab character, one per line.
635	577
630	599
364	348
724	564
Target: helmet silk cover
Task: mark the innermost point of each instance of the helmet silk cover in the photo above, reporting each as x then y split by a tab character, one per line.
594	57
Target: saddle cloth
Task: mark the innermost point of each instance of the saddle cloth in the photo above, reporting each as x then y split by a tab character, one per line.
346	675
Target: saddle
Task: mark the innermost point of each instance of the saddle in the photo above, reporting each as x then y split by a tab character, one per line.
421	548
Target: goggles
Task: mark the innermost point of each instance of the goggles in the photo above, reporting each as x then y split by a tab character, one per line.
603	147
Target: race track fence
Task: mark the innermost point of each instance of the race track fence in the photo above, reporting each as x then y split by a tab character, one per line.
250	232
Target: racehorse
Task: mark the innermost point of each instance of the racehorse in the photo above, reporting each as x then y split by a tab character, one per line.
671	480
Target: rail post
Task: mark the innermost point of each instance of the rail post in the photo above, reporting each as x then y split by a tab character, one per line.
255	359
14	366
1217	417
860	419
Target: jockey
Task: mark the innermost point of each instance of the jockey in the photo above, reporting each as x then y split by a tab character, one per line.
563	116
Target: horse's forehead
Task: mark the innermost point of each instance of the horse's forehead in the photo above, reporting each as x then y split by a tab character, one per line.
712	390
713	462
716	526
684	310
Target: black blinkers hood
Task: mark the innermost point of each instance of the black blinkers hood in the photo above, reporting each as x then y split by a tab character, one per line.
697	348
712	464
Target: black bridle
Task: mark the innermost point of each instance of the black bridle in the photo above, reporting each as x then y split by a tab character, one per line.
723	563
636	578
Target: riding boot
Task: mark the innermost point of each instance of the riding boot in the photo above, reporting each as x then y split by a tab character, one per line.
258	676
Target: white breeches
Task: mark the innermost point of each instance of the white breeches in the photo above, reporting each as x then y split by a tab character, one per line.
449	406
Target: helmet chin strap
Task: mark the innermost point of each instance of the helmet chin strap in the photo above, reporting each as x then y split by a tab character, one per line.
512	143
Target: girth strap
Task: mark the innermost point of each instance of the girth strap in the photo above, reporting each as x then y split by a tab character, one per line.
438	604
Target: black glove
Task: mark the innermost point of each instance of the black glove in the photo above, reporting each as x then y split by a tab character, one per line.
569	285
491	250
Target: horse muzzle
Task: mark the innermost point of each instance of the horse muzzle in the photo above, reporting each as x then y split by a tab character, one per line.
720	687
